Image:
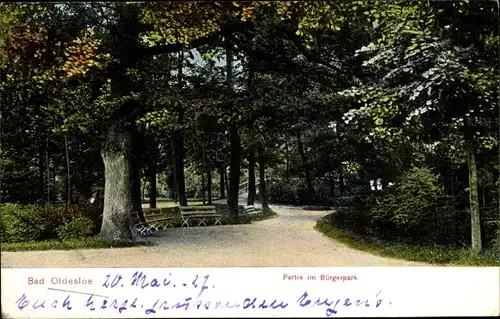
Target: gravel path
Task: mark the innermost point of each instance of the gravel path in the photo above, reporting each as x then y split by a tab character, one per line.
286	240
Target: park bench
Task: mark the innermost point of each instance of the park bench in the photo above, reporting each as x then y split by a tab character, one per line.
203	213
250	209
156	220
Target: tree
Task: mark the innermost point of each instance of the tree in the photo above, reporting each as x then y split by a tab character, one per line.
433	82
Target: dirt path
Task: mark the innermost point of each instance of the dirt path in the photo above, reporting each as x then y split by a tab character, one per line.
287	240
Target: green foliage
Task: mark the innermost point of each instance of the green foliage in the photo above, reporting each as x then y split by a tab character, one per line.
415	210
20	223
76	228
33	222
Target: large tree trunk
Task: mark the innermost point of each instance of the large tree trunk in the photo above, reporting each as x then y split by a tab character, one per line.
474	201
119	183
122	153
152	173
262	179
234	171
209	185
305	165
179	140
234	165
222	174
251	179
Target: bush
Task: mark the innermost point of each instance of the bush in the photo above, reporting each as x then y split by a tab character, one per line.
78	227
495	245
417	209
20	223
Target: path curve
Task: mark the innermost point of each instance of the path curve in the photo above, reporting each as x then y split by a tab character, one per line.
288	240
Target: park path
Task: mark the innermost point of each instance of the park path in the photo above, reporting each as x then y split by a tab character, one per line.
283	241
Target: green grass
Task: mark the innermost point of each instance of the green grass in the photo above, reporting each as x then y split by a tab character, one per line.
436	254
85	243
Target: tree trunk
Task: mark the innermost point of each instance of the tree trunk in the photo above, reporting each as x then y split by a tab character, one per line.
251	179
171	173
68	171
143	192
483	193
452	187
262	179
474	201
47	165
341	180
305	164
235	142
152	174
119	179
172	184
179	140
209	185
137	155
332	185
222	185
41	172
286	157
234	171
226	180
122	152
179	168
203	187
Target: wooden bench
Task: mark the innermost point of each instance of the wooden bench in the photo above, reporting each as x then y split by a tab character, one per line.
203	213
156	220
250	209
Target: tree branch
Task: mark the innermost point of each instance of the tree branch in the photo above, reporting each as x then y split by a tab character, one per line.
286	67
176	47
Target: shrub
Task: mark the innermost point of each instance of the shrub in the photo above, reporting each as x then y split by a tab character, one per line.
416	208
78	227
495	245
35	222
20	223
282	191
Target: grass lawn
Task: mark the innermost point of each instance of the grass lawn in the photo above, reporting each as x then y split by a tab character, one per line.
84	243
437	254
